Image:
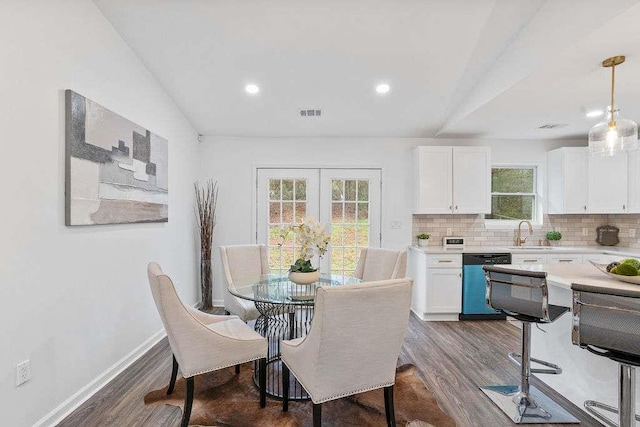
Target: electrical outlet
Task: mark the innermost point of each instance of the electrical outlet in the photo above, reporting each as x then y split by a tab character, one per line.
585	231
632	232
23	372
396	225
449	232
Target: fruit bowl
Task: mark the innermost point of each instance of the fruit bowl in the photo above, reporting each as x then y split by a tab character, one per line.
627	279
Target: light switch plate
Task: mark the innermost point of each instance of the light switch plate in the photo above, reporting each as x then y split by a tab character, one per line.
396	225
585	231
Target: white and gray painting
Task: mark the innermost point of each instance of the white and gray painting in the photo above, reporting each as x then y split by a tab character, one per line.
116	171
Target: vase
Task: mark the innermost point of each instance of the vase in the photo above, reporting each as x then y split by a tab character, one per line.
206	284
304	278
423	242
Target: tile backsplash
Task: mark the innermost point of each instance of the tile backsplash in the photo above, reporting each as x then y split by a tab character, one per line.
571	226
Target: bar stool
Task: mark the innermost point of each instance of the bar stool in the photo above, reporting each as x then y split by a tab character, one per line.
524	295
607	323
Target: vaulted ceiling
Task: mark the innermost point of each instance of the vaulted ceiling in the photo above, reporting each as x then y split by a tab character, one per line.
457	68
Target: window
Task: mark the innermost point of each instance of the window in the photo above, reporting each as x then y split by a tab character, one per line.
513	193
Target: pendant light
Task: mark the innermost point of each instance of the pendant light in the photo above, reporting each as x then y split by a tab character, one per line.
613	134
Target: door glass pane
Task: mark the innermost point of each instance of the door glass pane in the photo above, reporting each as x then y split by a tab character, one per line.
287	205
349	223
287	189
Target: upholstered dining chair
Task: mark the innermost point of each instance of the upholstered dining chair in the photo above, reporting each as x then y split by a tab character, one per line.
200	347
353	344
242	264
381	264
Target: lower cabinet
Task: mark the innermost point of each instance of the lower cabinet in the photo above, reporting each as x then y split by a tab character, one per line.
564	259
528	258
444	290
437	285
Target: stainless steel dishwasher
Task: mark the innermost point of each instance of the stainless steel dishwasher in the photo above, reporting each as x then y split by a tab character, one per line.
474	306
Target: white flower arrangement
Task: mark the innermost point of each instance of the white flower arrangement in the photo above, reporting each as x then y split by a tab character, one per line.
312	238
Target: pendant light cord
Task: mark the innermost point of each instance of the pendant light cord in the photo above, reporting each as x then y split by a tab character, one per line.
612	122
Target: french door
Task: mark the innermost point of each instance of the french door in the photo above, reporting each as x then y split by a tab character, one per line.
347	201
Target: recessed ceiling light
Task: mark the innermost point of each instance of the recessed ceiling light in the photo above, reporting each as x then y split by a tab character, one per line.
252	89
383	88
595	113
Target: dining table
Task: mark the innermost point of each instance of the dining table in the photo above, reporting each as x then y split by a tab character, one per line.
286	313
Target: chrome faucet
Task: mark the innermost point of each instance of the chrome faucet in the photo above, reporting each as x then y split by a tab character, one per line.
519	240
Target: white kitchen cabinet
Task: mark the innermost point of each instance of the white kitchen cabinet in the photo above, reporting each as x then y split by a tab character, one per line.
453	180
444	291
579	183
567	180
528	258
437	285
633	182
607	184
564	259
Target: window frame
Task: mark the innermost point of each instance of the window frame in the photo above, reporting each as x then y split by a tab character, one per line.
537	220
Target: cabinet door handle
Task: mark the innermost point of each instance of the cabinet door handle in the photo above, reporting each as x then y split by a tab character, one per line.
565	260
450	207
530	260
624	207
456	207
585	207
460	275
445	260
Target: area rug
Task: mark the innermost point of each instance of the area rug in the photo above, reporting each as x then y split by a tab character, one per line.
223	398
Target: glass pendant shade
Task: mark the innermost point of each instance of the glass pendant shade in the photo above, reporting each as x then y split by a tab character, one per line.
613	135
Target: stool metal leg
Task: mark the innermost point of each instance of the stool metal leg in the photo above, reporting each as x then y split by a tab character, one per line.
525	404
626	401
627	396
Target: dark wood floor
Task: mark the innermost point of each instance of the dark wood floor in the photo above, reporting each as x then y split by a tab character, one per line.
453	358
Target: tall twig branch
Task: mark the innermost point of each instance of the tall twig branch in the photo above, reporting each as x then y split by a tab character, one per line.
206	201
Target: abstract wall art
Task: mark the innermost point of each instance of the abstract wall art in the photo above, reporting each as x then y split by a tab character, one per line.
116	171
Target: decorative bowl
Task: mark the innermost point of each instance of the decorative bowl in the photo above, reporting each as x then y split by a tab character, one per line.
304	278
627	279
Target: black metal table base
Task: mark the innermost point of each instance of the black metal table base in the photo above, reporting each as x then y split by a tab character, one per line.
279	322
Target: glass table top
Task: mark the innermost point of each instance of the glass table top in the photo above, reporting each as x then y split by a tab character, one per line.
278	289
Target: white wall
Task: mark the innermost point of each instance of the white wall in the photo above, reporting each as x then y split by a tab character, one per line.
232	161
75	300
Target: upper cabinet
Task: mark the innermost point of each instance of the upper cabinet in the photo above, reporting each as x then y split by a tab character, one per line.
567	180
633	183
579	183
607	186
453	180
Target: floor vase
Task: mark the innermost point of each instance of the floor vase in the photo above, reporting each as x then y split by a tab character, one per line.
206	285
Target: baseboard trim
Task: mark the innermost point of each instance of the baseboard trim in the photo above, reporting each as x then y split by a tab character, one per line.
72	403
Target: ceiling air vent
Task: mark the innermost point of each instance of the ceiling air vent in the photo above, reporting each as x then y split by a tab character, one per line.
553	125
310	113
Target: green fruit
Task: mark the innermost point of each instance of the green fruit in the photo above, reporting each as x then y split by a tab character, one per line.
625	270
632	261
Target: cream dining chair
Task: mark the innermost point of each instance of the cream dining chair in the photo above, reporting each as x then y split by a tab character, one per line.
242	264
353	344
381	264
200	346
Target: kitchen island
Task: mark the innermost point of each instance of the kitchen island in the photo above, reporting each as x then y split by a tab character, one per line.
585	376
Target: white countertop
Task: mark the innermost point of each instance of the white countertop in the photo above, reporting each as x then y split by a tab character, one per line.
610	250
564	275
